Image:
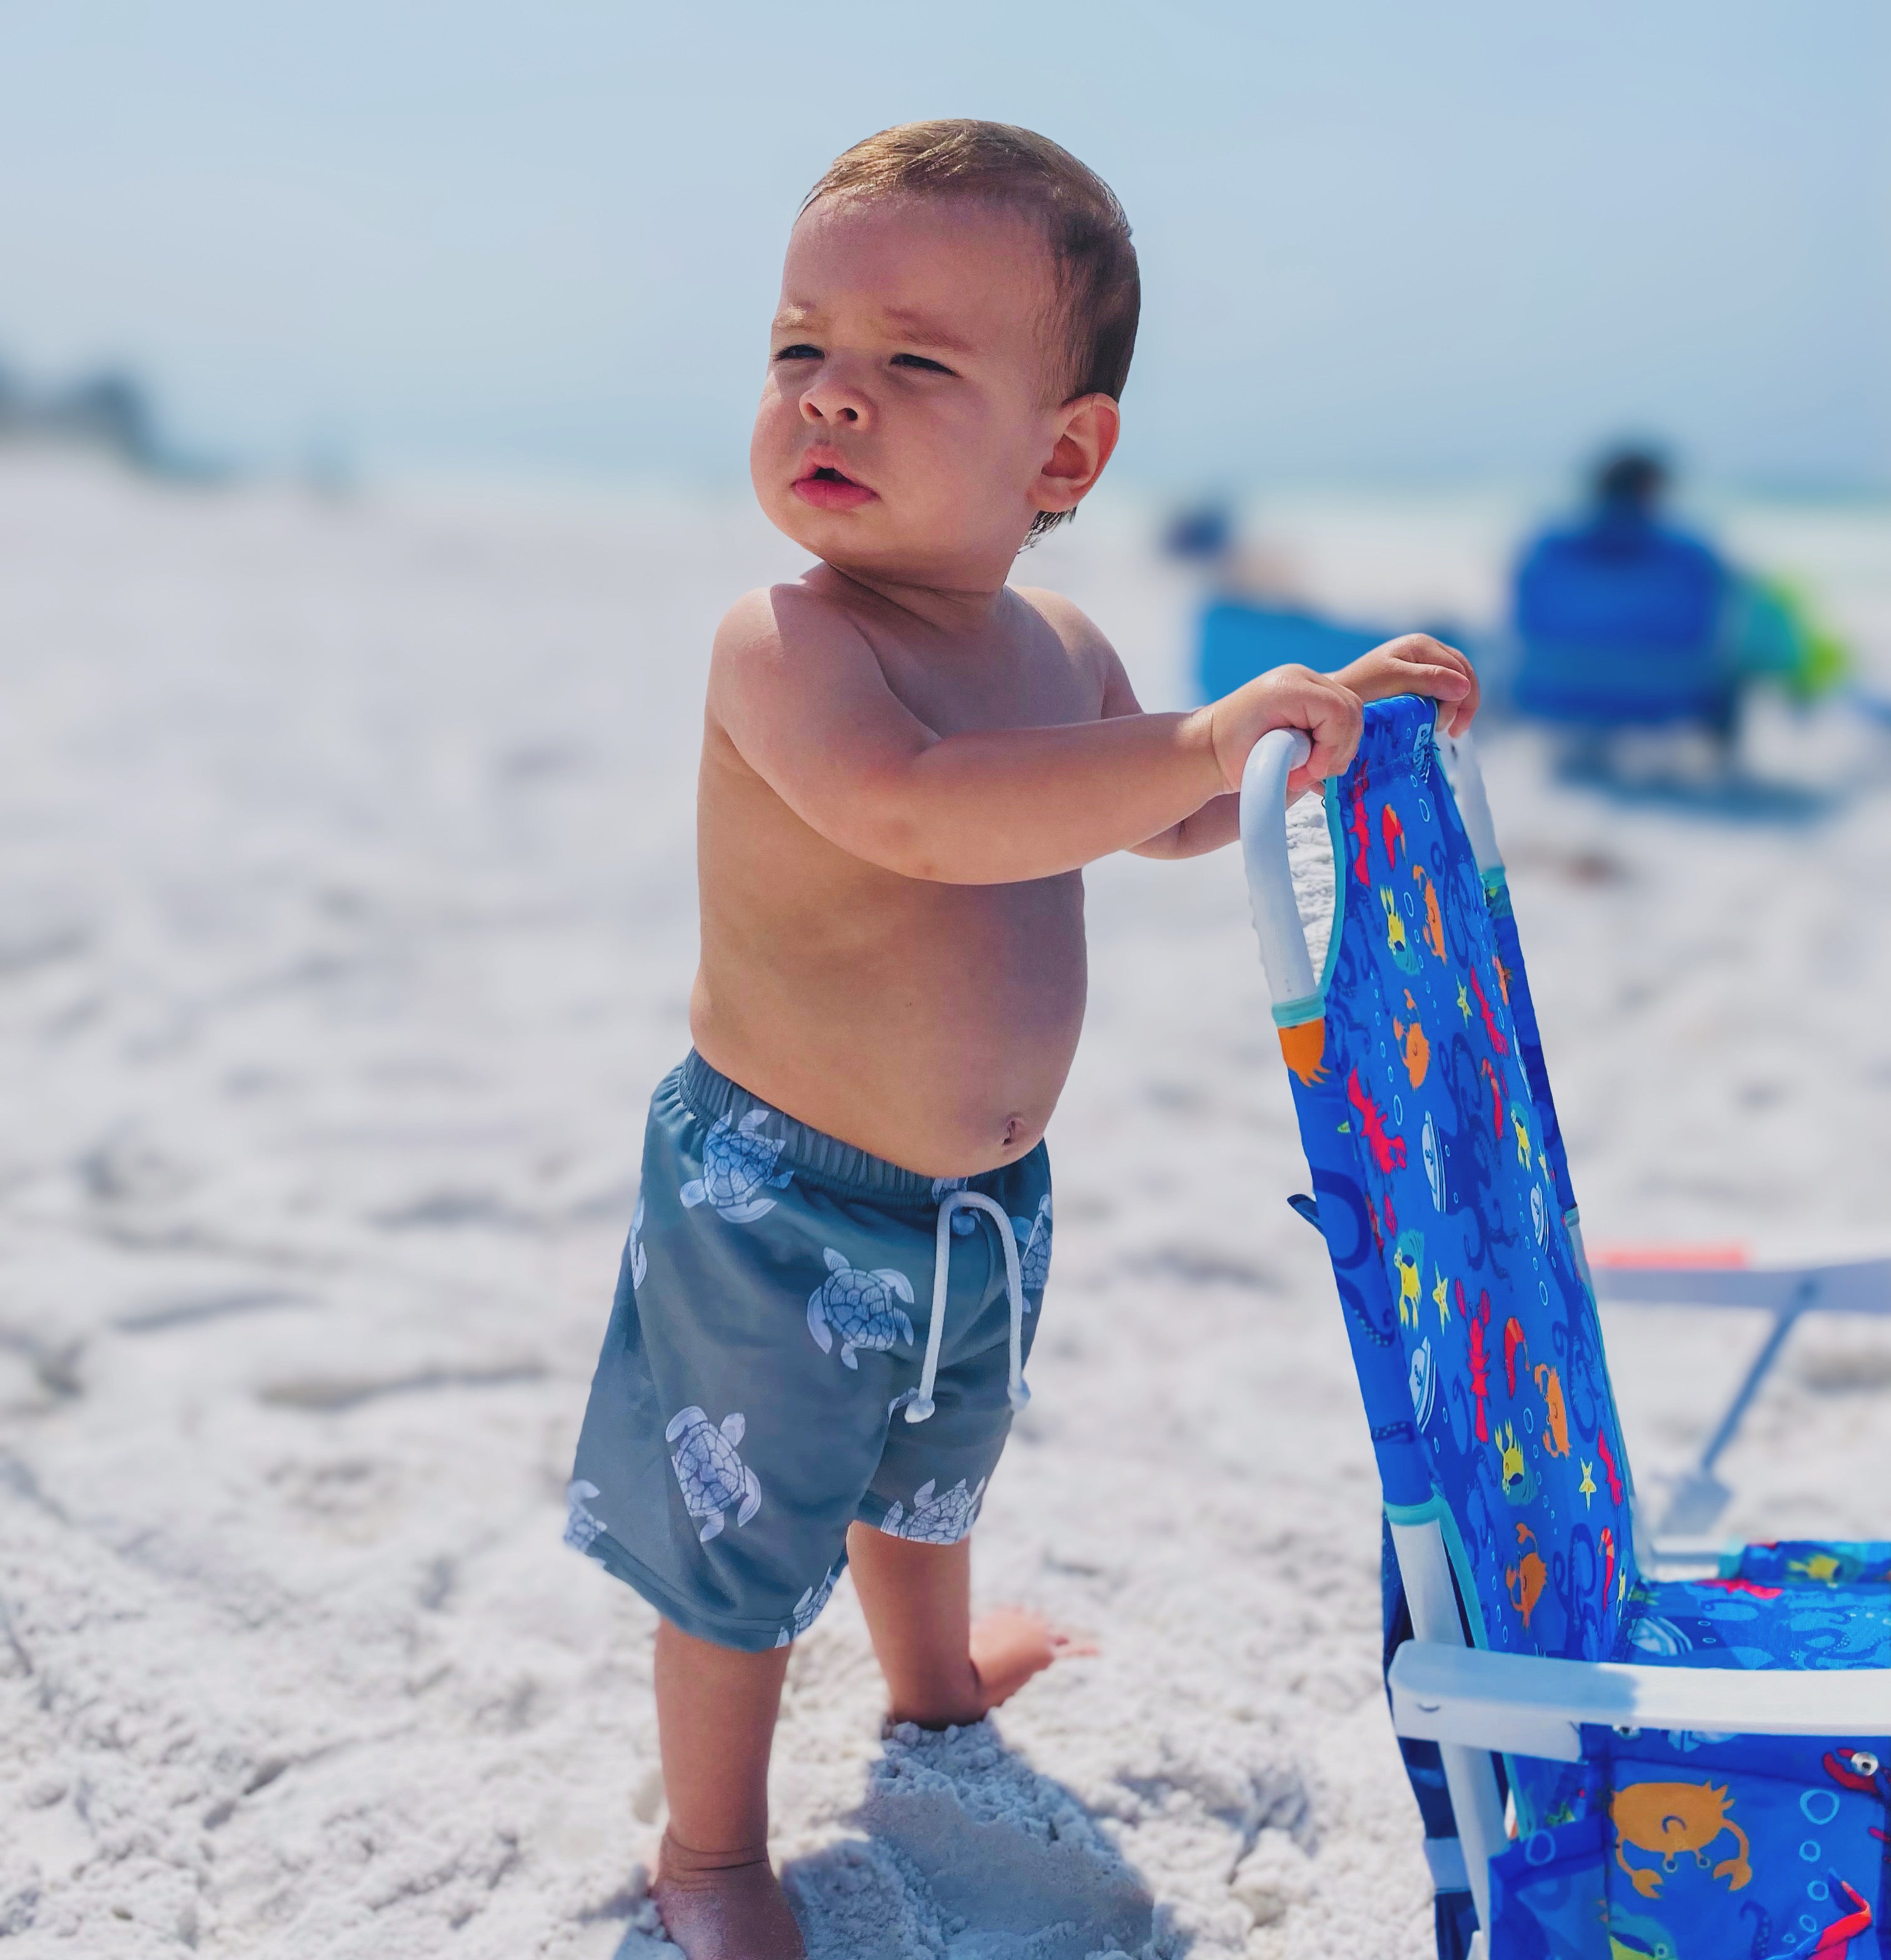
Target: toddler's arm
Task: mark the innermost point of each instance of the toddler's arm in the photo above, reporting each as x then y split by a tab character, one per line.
1413	663
794	686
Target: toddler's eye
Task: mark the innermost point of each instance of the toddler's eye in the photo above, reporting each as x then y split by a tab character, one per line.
799	351
920	361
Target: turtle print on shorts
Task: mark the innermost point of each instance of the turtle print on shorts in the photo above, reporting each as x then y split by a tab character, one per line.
859	1307
807	1608
638	1258
581	1525
737	1163
1034	1246
772	1326
712	1477
943	1520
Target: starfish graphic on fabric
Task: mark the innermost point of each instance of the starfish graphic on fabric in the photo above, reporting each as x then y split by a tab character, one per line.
1588	1486
1463	1001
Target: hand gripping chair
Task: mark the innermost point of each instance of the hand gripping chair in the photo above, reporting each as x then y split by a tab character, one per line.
1608	1761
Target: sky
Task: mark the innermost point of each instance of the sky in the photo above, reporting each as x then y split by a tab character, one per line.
1381	244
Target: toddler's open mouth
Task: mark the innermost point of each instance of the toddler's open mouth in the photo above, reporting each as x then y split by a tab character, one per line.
829	487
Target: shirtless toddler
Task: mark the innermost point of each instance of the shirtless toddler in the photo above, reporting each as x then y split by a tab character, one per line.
837	1263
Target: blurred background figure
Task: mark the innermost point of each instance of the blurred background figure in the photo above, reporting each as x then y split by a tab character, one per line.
1626	620
1252	614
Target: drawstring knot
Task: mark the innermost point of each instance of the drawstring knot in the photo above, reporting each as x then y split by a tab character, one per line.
922	1405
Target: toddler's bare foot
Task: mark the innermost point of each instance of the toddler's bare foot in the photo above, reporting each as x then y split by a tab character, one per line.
1010	1644
724	1905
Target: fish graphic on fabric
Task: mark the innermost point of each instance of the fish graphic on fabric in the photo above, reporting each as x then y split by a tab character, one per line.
1525	1580
1396	943
1519	1480
1388	1152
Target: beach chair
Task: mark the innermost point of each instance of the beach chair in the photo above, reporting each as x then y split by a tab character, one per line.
1612	1755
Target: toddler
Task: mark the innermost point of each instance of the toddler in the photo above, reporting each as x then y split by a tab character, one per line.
838	1259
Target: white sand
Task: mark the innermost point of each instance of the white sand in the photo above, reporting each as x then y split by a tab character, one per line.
345	924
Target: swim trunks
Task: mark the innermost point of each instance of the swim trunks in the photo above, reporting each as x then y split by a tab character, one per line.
779	1361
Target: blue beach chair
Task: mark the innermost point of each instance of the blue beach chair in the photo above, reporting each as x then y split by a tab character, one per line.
1616	1751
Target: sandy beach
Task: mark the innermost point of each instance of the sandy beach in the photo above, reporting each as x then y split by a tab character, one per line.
347	921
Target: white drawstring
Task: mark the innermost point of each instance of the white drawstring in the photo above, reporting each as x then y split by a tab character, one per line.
921	1406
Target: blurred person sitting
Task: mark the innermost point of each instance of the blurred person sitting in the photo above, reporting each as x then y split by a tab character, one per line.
1628	621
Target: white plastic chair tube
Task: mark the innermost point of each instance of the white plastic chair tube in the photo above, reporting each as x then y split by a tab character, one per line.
1264	846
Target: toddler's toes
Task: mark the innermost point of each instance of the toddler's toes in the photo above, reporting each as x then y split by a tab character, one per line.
1011	1644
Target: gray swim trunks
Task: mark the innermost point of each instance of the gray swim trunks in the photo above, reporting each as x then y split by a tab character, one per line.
778	1363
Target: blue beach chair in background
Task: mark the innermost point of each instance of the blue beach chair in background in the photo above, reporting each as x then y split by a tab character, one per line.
1618	1748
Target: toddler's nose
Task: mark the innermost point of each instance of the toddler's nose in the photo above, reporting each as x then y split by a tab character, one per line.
834	402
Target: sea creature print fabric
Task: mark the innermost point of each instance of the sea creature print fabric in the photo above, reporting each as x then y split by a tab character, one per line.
1438	1175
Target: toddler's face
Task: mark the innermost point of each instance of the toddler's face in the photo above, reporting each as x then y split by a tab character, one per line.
911	407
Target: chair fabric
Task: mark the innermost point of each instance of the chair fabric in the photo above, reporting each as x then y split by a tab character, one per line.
1620	621
1442	1190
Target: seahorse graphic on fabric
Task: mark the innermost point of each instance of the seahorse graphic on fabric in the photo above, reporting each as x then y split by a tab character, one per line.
1393	832
1479	1324
1361	828
1388	1152
1432	931
1495	1033
1488	1070
1514	1338
1555	1411
1609	1469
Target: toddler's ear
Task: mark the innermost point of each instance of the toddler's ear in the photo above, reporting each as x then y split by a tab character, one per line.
1085	435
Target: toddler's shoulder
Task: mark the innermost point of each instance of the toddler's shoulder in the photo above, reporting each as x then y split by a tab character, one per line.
1083	640
772	620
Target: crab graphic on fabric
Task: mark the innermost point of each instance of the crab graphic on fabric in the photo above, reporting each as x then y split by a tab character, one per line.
712	1478
859	1307
739	1166
1034	1247
943	1520
807	1608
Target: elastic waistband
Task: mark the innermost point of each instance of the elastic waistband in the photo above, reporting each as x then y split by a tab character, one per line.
711	1096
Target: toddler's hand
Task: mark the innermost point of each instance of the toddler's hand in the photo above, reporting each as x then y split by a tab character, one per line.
1416	663
1290	697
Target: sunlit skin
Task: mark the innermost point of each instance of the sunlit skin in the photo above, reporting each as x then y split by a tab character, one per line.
906	764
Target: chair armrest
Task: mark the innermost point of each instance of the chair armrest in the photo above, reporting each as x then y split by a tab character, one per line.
1834	1286
1522	1704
